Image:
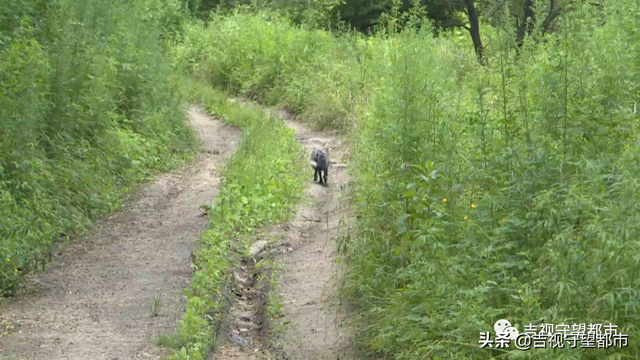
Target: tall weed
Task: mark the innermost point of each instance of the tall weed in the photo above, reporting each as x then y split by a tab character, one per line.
88	107
483	192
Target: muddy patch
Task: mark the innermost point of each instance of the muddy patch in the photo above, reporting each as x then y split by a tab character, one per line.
108	295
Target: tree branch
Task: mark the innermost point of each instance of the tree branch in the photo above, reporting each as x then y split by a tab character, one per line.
455	23
554	11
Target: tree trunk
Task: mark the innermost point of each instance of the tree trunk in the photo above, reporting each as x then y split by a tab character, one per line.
554	11
528	20
474	29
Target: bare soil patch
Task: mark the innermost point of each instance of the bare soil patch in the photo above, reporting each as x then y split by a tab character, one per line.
94	301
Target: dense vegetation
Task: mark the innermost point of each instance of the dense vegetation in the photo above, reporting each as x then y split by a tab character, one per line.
503	190
89	105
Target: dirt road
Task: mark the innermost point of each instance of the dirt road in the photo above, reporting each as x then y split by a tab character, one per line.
306	248
94	302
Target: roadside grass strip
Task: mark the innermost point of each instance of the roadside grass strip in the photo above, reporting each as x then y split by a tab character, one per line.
262	182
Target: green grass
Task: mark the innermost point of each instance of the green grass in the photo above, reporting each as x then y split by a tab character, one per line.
154	306
262	182
504	191
89	107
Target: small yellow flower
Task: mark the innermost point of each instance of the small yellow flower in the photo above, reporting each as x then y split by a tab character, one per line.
8	259
16	270
504	220
473	206
444	200
466	217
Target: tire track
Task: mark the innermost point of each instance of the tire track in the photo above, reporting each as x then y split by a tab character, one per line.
306	247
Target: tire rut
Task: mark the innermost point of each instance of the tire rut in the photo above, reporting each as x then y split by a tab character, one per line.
94	301
306	249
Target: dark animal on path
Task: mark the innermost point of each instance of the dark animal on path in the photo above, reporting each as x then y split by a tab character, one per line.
320	164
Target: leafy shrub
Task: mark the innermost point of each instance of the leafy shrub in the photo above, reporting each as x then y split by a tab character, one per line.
88	107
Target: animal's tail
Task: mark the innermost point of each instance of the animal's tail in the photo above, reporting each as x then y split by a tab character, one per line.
313	164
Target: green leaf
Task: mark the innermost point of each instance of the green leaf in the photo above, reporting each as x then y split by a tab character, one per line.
409	194
401	227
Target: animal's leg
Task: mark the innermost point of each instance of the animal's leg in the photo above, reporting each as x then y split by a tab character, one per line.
325	176
315	174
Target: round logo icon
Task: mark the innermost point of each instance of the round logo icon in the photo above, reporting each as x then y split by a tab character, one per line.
501	325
